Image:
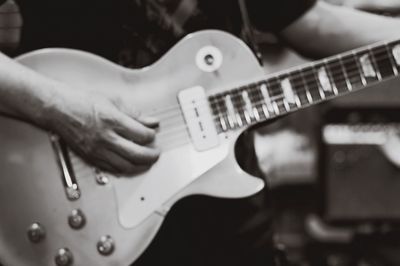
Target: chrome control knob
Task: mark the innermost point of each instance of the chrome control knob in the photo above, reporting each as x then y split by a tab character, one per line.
64	257
36	233
76	219
101	178
106	245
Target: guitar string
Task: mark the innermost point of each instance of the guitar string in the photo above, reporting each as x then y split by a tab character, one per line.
80	165
178	118
351	75
282	96
304	85
181	126
335	60
332	70
180	141
182	130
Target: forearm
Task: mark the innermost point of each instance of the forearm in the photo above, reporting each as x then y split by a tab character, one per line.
105	131
326	30
23	93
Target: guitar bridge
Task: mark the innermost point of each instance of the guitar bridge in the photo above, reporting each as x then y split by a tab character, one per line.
64	163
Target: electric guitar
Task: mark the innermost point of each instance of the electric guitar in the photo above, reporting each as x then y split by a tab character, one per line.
58	210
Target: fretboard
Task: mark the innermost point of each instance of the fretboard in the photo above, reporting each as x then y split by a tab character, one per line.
306	85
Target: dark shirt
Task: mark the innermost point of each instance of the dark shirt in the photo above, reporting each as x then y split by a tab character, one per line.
137	32
198	230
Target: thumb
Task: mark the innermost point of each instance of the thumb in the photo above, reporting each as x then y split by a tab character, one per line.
148	121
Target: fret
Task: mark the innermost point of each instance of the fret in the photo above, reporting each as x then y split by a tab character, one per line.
324	80
231	112
222	111
216	113
338	78
238	103
300	88
346	77
359	68
311	83
394	54
287	93
309	94
374	63
275	92
276	108
248	107
352	70
238	106
330	76
391	58
367	67
382	61
257	100
292	101
267	108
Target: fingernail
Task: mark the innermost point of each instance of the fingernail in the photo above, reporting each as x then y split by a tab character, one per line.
151	121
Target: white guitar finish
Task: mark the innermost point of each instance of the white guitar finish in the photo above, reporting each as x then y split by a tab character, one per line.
128	209
199	118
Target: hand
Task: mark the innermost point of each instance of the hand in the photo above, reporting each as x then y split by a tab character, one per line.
105	132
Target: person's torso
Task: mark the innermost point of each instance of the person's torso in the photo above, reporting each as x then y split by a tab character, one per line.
133	33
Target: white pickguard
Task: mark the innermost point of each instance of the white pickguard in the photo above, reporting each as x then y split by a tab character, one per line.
137	196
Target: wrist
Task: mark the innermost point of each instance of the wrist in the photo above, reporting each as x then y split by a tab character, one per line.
40	106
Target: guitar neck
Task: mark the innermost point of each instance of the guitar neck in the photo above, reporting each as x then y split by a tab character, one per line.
306	85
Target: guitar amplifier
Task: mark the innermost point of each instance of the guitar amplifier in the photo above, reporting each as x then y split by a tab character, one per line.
359	165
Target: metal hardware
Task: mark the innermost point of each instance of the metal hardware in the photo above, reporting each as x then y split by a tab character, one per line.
36	233
68	178
76	219
101	178
209	59
64	257
106	245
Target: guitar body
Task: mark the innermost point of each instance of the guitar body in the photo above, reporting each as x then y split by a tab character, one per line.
129	210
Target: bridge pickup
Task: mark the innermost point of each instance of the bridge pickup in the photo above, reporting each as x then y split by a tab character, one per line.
199	120
64	163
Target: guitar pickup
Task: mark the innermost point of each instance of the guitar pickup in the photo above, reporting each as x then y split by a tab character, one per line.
64	163
198	117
